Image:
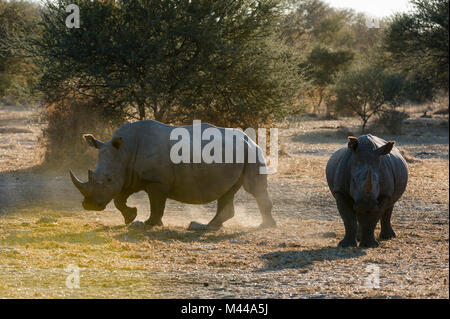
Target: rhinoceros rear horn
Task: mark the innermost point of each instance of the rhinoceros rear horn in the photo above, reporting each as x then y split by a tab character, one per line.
92	141
82	187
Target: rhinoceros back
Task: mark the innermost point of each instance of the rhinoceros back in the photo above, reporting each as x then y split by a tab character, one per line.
190	182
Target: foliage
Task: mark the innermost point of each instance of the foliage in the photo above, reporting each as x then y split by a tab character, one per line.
391	121
417	43
321	67
17	73
66	121
366	91
169	59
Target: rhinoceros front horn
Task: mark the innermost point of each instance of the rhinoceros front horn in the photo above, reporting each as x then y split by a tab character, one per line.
82	187
368	185
90	176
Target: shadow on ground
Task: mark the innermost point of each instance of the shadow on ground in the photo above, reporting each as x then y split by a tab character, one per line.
324	136
88	237
298	259
169	235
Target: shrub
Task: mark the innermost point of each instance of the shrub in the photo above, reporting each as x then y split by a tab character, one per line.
368	91
67	121
171	59
390	121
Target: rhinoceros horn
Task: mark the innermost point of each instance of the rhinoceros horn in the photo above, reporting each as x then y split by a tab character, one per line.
368	185
82	187
90	176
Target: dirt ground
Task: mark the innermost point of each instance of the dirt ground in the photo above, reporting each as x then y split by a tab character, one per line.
45	234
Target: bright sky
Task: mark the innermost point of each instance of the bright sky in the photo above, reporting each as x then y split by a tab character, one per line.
376	8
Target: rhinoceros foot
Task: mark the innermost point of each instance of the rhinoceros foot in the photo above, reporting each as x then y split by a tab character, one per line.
198	227
268	224
129	215
386	235
137	225
153	223
369	244
347	243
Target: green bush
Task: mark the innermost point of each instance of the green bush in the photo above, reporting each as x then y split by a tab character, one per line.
390	121
171	60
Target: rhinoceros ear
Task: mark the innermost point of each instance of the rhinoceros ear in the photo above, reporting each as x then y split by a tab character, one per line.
92	141
353	143
386	148
117	142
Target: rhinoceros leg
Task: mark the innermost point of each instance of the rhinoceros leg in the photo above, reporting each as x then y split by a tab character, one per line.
157	198
367	222
128	213
256	185
386	228
225	211
345	207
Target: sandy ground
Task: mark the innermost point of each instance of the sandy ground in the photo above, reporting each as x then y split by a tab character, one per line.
43	229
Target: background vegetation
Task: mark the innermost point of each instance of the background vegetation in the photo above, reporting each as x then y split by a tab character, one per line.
243	63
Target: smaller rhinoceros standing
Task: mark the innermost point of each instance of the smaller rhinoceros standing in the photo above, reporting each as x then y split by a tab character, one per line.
366	177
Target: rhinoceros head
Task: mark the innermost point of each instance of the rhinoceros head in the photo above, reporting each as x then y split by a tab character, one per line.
365	172
106	181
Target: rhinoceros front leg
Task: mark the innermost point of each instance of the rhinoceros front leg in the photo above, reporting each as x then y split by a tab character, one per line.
367	223
345	207
128	213
157	196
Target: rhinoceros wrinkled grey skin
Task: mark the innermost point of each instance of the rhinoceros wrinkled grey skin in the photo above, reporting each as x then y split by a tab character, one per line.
138	158
366	177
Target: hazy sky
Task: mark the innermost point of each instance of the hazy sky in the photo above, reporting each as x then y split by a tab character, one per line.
377	8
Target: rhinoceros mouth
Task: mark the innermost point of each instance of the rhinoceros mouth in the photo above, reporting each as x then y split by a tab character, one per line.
365	206
91	205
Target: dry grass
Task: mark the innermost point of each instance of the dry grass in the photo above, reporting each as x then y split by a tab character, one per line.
299	259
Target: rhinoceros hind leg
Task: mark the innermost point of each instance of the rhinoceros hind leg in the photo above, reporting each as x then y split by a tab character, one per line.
157	205
265	207
386	228
225	211
256	185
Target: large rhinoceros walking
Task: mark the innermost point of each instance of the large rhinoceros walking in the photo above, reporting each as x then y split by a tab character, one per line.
366	177
138	157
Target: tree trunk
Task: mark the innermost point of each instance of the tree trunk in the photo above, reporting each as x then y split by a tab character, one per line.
320	101
141	108
363	128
